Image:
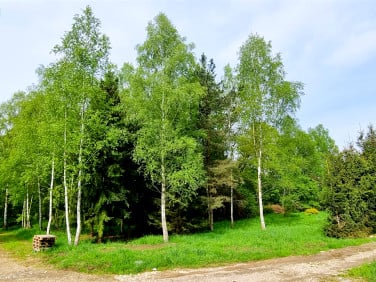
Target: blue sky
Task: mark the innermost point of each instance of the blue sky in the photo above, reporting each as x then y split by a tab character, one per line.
329	45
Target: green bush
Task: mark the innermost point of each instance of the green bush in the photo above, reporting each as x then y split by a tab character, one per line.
344	226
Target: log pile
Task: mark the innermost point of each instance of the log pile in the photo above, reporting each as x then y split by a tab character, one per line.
41	242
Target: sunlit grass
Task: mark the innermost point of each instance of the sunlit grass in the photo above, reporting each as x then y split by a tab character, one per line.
297	234
366	272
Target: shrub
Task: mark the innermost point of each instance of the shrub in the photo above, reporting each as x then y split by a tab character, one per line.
344	226
311	211
275	209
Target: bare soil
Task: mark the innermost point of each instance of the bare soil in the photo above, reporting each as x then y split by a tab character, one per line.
325	266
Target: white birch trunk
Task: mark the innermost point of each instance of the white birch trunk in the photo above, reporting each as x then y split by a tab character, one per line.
232	200
232	187
5	225
27	222
23	214
69	237
163	206
26	213
259	173
163	176
231	147
79	186
29	211
259	188
50	200
39	206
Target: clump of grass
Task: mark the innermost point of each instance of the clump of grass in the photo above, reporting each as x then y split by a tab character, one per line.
366	272
295	234
148	239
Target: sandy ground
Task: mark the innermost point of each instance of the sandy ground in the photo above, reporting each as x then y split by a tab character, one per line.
325	266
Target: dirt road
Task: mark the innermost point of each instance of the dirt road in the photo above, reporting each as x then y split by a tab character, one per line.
321	267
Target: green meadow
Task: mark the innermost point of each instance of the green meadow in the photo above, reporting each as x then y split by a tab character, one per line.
296	234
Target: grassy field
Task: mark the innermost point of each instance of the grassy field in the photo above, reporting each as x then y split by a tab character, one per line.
297	234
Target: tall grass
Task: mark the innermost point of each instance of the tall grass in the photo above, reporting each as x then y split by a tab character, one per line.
298	234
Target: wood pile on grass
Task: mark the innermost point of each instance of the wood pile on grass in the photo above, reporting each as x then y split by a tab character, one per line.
41	242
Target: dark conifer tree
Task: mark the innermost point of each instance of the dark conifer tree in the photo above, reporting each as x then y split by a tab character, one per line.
211	123
351	193
113	195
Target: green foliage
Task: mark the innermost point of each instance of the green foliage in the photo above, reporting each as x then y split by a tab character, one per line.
351	190
211	113
267	97
212	138
84	45
246	201
345	197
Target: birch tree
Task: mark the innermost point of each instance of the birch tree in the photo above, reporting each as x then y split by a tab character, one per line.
231	120
74	79
25	156
266	98
163	99
5	146
87	50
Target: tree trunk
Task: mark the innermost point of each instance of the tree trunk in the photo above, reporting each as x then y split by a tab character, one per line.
27	205
5	225
163	205
39	205
229	138
27	211
232	201
69	237
210	210
258	153
50	201
259	189
79	186
163	175
23	216
211	219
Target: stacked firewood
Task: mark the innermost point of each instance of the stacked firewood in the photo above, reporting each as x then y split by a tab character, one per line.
41	242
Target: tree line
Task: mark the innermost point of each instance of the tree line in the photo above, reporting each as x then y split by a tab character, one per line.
159	144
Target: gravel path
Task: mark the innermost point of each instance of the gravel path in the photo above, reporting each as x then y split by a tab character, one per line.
320	267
